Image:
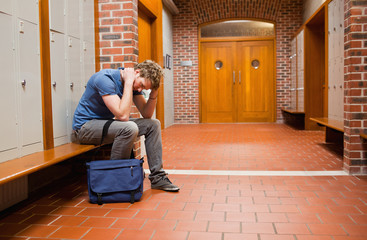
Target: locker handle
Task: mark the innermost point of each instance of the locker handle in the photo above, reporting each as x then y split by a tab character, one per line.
54	84
71	85
234	77
24	82
239	77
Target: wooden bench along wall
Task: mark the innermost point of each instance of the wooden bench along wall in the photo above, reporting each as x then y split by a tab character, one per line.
26	165
294	118
334	129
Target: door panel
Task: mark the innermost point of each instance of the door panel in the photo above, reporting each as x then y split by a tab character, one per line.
29	69
238	92
75	79
57	19
27	10
58	82
8	126
72	18
145	36
88	20
217	84
255	95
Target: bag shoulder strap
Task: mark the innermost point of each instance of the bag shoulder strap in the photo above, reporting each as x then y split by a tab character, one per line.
105	129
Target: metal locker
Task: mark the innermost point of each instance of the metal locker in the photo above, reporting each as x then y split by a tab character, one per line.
6	6
300	49
293	59
88	20
58	85
300	90
29	83
8	126
28	10
72	18
88	61
340	89
341	29
57	15
301	101
74	76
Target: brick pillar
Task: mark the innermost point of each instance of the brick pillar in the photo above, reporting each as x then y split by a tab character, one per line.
118	33
118	38
355	82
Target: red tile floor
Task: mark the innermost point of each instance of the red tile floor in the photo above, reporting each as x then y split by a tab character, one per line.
216	207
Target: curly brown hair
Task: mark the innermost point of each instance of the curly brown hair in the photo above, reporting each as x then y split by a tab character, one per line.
151	71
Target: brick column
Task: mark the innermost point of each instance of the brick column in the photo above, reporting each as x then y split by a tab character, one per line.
355	82
118	39
118	33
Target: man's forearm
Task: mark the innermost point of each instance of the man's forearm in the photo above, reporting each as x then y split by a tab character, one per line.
125	104
149	108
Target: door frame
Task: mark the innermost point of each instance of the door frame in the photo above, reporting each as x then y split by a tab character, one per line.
153	9
237	39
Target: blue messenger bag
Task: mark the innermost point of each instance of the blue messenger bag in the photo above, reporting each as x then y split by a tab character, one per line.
115	181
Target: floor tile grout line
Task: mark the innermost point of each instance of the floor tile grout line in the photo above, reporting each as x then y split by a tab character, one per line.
253	173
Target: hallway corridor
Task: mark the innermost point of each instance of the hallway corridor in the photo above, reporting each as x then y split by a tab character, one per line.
209	206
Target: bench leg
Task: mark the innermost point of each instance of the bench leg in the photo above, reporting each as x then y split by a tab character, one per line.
334	136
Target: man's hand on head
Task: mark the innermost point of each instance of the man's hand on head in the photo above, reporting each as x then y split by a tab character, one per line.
129	76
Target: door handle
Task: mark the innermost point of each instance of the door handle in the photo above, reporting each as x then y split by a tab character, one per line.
239	77
234	77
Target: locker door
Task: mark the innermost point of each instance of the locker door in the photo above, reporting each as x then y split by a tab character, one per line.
72	17
89	62
293	59
6	6
340	90
8	126
57	13
58	83
300	71
29	83
75	79
331	57
88	20
341	28
28	10
340	49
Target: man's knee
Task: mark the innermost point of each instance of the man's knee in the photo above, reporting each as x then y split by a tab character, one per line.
156	123
129	129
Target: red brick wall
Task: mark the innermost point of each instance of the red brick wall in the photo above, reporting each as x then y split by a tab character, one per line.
118	33
287	14
355	99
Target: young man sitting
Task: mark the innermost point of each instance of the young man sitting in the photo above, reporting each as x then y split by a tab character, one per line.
109	95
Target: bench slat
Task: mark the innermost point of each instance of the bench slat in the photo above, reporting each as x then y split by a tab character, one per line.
22	166
330	123
292	111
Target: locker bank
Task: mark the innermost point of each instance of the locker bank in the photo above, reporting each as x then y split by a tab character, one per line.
262	109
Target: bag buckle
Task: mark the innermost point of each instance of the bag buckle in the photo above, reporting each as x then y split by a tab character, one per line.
99	199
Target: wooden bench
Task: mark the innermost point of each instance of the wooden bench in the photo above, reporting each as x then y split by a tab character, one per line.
364	136
294	118
22	166
334	129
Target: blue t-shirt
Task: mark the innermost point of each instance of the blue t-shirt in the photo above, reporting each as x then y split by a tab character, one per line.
91	105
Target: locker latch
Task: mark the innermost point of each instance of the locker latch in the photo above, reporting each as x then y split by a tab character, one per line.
21	26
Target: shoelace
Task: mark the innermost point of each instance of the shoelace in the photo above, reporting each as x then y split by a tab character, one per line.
167	180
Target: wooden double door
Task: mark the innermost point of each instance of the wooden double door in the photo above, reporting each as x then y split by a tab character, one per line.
237	82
